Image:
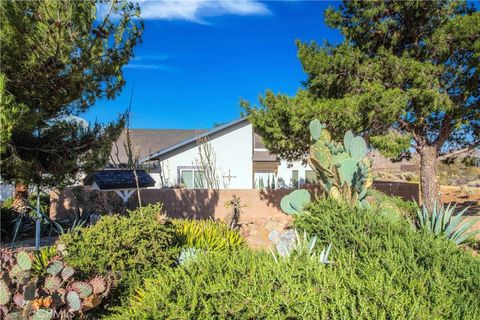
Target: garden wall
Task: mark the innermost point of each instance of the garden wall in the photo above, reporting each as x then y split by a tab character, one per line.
211	203
260	215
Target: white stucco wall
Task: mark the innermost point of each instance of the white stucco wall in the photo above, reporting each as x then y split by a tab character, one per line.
285	173
233	152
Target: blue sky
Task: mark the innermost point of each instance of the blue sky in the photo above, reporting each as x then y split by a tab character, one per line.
199	57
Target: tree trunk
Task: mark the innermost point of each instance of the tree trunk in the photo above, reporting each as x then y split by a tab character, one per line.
429	185
20	198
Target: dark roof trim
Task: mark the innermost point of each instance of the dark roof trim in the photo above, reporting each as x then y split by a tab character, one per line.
119	179
158	154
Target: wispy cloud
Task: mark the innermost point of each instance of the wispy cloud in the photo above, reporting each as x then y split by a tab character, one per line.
149	66
151	57
199	10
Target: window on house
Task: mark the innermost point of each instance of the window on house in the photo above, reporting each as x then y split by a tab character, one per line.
295	179
192	178
310	177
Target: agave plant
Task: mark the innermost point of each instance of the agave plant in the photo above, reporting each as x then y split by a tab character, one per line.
443	221
302	247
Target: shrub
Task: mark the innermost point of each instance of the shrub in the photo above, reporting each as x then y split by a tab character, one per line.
392	204
208	235
408	272
130	246
232	285
383	269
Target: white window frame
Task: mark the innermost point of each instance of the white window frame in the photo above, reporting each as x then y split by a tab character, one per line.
193	169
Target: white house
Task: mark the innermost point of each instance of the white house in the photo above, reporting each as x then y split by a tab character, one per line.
233	154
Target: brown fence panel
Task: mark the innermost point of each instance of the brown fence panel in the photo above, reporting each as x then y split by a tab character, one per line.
404	190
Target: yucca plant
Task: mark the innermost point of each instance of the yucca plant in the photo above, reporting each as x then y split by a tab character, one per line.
443	221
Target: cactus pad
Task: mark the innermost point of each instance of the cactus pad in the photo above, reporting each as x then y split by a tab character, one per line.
67	272
19	300
52	283
29	291
5	293
74	302
83	289
294	202
24	261
55	267
99	285
43	314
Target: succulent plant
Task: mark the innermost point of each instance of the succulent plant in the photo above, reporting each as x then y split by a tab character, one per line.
74	302
28	295
302	247
443	221
343	170
52	283
294	202
24	260
99	285
84	289
55	267
67	273
42	314
188	255
5	293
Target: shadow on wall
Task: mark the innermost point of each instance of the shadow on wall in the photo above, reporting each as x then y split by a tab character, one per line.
184	203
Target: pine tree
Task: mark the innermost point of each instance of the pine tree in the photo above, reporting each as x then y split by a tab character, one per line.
406	76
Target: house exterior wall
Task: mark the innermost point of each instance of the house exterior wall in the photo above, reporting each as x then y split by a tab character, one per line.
233	153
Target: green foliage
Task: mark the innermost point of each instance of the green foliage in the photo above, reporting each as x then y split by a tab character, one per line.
58	58
130	247
394	205
444	221
411	67
208	235
26	295
294	202
393	144
383	269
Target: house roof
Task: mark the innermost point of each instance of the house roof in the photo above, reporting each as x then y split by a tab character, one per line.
192	139
119	179
146	141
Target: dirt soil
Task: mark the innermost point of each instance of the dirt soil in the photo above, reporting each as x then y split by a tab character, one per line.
464	197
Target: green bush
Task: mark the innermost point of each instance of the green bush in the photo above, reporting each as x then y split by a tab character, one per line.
131	247
382	269
208	235
389	204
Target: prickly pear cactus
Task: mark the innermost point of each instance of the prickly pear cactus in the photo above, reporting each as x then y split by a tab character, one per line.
84	289
55	267
28	295
5	293
343	170
42	314
74	302
99	285
67	273
24	260
294	202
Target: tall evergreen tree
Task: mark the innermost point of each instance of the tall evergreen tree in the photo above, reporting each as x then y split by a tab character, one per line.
58	57
406	76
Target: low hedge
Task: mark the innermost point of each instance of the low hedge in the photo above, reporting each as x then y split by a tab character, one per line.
383	269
